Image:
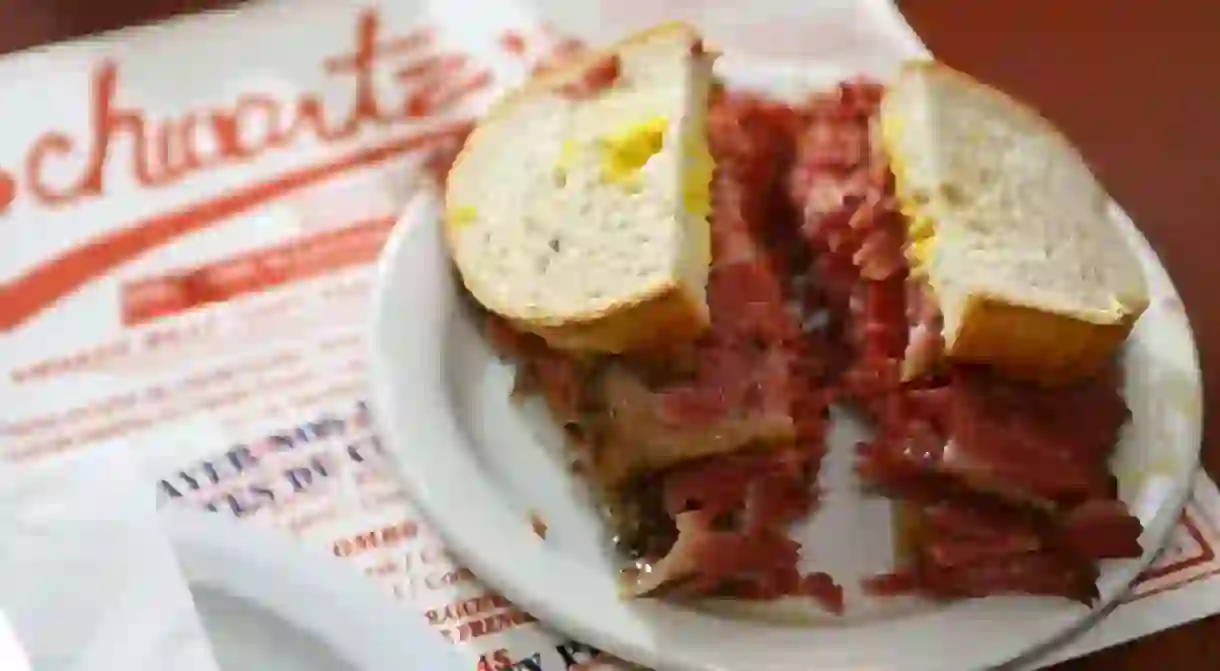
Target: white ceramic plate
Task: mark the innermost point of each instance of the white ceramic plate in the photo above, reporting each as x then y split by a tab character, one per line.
481	466
269	605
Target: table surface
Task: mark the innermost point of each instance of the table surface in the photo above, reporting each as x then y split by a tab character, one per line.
1137	86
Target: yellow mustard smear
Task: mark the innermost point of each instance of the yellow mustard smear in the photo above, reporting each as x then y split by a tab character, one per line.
625	152
921	232
461	216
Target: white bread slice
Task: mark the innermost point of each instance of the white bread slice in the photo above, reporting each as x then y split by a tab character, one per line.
584	219
1010	229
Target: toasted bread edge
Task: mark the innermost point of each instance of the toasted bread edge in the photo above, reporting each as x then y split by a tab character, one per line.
671	315
1036	345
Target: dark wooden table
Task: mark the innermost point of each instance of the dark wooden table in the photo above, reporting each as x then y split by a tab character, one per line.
1136	83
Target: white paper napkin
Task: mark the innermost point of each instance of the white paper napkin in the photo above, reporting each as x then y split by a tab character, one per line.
12	654
88	581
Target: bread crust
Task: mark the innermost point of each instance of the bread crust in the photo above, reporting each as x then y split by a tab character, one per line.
1022	109
1034	345
670	313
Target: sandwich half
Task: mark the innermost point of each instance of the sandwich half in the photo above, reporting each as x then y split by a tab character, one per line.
577	209
984	292
1009	232
612	218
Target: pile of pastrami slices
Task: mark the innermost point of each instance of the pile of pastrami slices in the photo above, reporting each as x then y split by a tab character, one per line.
1000	488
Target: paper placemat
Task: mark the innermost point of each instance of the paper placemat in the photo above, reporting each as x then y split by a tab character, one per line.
190	214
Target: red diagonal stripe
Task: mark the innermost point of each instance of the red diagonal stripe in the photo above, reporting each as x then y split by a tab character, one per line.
40	287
